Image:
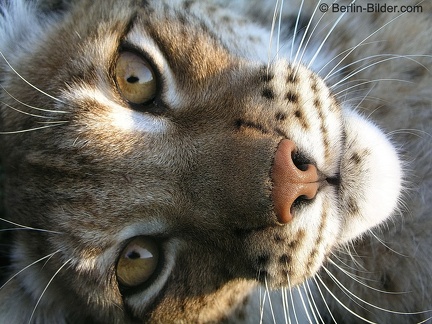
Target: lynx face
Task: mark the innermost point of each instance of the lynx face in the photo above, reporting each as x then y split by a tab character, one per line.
173	165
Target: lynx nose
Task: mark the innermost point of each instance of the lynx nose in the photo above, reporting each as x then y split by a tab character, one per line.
291	181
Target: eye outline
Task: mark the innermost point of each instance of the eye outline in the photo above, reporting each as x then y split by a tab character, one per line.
131	290
154	106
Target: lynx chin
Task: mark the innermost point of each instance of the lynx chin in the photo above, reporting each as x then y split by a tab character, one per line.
181	161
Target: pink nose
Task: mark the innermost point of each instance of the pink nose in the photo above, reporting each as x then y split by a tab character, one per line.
291	182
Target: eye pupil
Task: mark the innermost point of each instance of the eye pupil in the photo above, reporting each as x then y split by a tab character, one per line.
133	255
132	79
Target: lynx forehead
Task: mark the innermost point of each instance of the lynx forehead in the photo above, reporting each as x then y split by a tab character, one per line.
166	157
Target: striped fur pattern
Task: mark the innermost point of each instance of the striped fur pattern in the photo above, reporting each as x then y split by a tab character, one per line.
87	171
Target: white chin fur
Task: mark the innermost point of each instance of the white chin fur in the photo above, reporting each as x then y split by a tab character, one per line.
371	177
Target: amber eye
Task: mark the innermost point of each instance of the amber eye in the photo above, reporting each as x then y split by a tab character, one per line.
137	262
135	78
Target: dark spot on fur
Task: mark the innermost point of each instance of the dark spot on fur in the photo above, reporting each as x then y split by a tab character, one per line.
298	114
352	206
293	244
268	93
314	82
280	116
292	77
317	103
188	4
262	260
355	158
265	76
284	259
278	238
292	97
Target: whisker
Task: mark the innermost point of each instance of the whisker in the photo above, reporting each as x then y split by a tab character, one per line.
267	291
28	227
364	40
304	305
28	266
349	76
385	245
295	28
279	29
269	52
45	289
367	82
347	291
33	129
31	85
389	57
326	37
355	278
342	304
24	112
305	33
33	107
314	306
324	300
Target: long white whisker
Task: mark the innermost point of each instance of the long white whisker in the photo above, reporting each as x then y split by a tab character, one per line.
342	304
342	53
389	57
28	227
269	298
269	52
367	303
31	85
314	306
24	112
353	277
279	29
32	107
349	76
33	129
324	300
45	289
367	82
305	33
28	266
326	37
305	306
295	28
388	247
364	40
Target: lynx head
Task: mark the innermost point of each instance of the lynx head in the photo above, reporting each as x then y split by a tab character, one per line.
169	165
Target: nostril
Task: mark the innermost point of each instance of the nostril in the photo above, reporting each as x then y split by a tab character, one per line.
300	161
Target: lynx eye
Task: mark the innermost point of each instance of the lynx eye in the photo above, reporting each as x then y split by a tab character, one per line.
135	78
137	262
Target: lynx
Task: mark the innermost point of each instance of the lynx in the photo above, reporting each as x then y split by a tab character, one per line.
215	161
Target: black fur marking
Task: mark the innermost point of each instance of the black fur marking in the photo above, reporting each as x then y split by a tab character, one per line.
268	93
284	259
280	116
292	97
